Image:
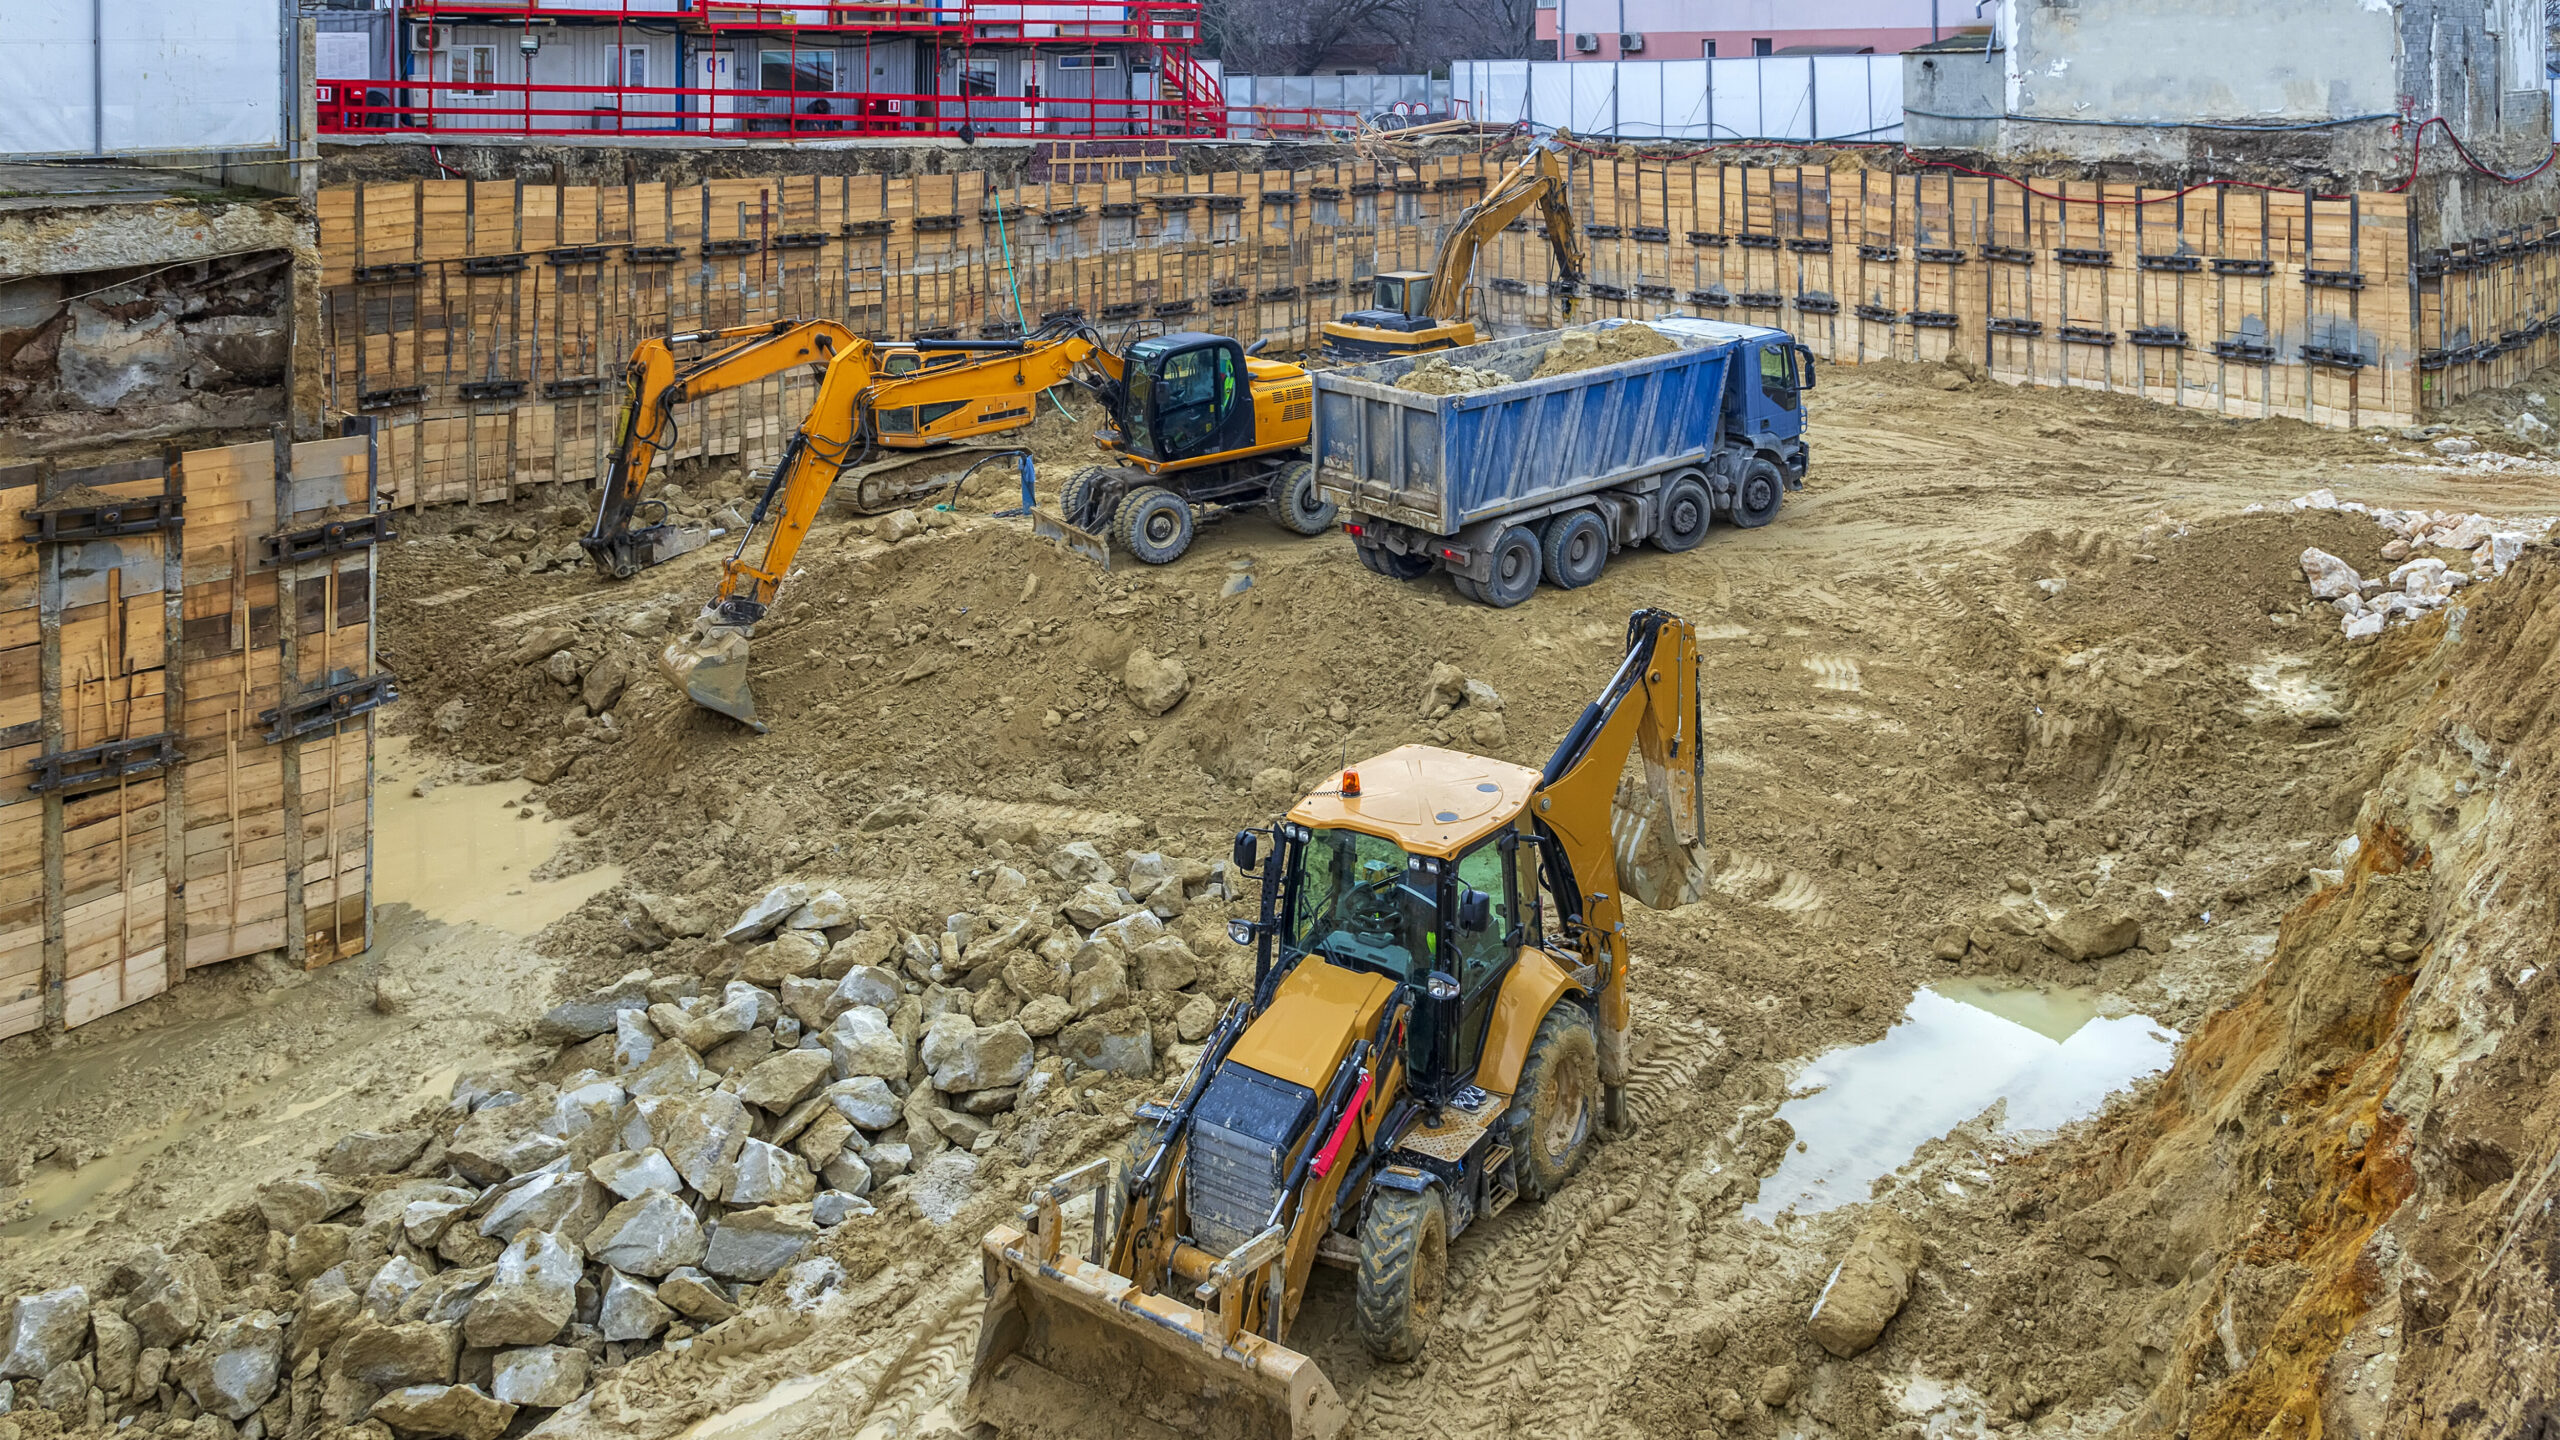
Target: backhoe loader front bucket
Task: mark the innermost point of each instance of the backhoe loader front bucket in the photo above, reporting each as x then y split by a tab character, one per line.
1069	1350
1047	525
709	664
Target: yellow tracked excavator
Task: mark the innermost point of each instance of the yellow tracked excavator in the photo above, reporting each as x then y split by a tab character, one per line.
632	533
1438	1028
1411	311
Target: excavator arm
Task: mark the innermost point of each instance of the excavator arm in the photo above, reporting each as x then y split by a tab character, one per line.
1617	839
842	431
1539	179
654	384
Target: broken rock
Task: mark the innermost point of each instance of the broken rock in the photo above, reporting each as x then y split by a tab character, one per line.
532	1295
1155	686
701	1137
594	1013
696	1296
629	1310
432	1412
544	1376
387	1357
785	1080
654	1234
767	914
630	1174
299	1200
233	1371
866	1100
1868	1289
2330	576
963	1057
754	1244
369	1152
861	1043
769	1175
1120	1042
44	1331
2092	933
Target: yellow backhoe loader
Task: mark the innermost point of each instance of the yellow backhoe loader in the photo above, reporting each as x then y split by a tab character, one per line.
632	534
1438	1028
1192	419
1411	311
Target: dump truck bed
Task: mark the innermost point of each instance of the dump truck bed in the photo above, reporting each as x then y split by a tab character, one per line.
1439	462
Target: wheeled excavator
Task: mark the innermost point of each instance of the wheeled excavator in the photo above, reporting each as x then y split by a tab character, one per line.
1438	1029
632	533
1411	311
1190	419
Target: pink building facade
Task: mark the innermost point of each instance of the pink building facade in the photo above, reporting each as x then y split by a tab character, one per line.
1738	29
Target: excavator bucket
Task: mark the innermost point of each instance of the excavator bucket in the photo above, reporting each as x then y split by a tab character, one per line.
1069	1349
1659	865
1049	526
709	664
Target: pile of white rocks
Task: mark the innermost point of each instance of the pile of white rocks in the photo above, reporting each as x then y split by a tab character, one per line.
2366	604
441	1281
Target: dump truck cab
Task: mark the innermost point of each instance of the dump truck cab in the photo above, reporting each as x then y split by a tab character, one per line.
1764	407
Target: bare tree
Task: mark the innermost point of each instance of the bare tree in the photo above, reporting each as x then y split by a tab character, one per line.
1481	30
1293	37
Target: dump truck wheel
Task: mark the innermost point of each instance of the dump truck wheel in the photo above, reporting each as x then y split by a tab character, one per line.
1557	1107
1392	565
1687	511
1577	548
1154	524
1294	501
1467	588
1757	497
1516	562
1080	500
1404	1268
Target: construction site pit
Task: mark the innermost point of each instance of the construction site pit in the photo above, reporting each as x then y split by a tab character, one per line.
2109	940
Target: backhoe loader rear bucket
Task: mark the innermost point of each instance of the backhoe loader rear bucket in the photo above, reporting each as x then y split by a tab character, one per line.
1069	1350
709	664
1046	525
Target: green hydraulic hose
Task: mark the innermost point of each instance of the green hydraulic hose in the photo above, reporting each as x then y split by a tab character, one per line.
1015	282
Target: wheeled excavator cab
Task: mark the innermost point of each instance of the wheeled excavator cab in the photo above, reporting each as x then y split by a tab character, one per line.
1186	395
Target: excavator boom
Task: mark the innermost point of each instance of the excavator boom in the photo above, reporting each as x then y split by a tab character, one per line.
627	537
1539	179
842	431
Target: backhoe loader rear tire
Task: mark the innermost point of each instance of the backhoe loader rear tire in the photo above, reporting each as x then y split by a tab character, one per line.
1404	1270
1154	524
1296	504
1556	1110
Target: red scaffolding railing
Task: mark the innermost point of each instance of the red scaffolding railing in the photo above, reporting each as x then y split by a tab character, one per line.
1173	23
465	108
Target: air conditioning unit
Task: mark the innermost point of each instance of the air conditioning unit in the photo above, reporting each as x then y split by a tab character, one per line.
1587	44
430	37
1630	44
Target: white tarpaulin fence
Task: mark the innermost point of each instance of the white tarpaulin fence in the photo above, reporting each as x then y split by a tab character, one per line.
1775	97
1336	96
108	77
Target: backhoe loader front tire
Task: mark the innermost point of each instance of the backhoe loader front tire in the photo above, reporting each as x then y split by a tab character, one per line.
1556	1110
1295	503
1154	524
1404	1269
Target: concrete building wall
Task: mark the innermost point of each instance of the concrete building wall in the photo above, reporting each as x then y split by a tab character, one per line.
1681	29
2261	61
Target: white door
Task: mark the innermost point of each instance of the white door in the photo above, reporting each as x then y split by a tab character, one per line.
717	71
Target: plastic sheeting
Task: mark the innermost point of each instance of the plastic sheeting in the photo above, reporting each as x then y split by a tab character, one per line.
109	77
1370	96
1778	97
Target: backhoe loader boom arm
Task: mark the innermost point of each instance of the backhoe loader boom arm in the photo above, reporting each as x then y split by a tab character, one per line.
1539	179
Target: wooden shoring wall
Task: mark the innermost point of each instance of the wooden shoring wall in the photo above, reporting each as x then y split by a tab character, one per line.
156	811
485	323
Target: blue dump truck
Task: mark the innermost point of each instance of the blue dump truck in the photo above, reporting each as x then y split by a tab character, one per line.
1531	478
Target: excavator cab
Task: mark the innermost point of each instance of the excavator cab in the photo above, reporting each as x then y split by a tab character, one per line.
1398	321
1189	395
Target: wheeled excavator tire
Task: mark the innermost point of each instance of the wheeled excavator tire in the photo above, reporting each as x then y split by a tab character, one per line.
1296	504
1153	524
1079	499
1556	1110
1404	1271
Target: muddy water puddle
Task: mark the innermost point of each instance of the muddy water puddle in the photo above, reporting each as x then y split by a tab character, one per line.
1961	1047
459	853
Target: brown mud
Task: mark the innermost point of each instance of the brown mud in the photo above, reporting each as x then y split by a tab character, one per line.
2010	656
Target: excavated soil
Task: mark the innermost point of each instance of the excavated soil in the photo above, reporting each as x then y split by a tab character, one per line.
2008	651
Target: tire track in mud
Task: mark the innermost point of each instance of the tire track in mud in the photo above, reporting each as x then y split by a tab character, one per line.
1589	1262
922	1376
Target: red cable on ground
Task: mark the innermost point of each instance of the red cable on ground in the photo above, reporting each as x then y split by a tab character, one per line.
2417	146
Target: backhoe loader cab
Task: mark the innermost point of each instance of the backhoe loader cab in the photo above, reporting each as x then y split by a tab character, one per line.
1437	1027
